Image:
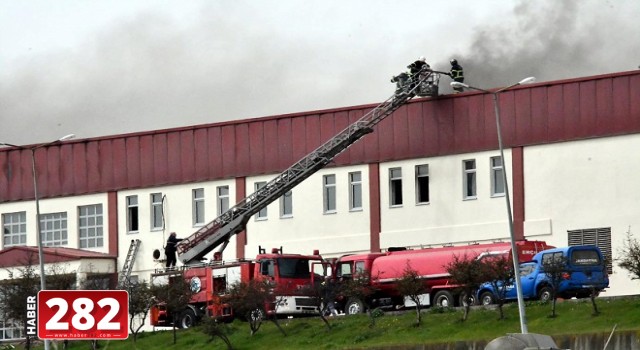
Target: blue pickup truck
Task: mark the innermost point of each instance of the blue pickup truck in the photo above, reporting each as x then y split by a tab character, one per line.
585	269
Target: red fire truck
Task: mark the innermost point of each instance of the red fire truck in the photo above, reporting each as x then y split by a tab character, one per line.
385	269
217	233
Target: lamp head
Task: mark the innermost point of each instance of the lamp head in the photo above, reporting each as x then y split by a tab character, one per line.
457	84
67	137
527	80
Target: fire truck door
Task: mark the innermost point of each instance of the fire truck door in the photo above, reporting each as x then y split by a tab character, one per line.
320	270
267	269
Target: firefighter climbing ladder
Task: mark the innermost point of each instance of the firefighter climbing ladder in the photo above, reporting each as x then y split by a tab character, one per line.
125	273
218	232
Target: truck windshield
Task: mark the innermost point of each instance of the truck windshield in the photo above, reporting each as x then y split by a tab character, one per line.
585	257
294	268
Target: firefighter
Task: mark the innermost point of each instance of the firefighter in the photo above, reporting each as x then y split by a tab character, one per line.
457	74
170	250
417	66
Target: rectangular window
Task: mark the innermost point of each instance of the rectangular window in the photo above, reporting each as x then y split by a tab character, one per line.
222	199
422	184
286	205
90	226
198	206
10	330
53	228
329	193
14	228
469	178
157	215
355	191
497	177
395	186
132	214
599	237
262	214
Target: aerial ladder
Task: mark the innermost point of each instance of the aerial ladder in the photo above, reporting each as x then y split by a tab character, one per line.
218	232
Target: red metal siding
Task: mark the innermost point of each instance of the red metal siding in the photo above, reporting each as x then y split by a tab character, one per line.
531	114
375	224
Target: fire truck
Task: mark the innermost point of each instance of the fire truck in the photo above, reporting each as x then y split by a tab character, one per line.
386	268
210	281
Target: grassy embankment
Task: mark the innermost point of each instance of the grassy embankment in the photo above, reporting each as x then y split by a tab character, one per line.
438	326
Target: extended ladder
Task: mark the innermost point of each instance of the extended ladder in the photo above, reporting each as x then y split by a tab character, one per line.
125	273
218	232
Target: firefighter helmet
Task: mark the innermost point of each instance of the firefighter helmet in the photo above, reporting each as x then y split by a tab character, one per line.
454	61
422	59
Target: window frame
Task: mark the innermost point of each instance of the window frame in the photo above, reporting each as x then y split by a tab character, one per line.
329	194
469	175
157	212
222	199
98	238
49	219
198	207
263	213
20	224
396	199
355	191
133	214
497	176
420	178
286	205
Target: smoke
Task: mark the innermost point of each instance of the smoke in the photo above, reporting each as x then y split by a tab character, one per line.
553	40
236	60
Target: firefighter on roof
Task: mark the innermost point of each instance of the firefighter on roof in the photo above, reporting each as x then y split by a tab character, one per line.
457	74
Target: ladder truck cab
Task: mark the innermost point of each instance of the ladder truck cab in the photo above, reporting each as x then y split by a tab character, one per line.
386	268
217	276
210	284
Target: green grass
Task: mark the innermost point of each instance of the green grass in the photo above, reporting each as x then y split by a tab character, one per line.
438	326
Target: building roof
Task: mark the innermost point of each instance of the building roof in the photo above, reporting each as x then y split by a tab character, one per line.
25	255
546	112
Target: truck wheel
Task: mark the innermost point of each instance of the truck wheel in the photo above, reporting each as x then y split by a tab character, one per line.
545	294
354	306
256	315
187	319
464	299
443	299
487	298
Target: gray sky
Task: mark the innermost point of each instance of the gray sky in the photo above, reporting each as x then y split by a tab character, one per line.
108	67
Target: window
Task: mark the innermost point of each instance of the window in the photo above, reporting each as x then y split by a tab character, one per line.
599	237
14	228
469	167
497	177
422	184
355	191
329	193
53	228
157	215
223	199
262	214
198	206
395	186
11	330
132	214
90	228
286	205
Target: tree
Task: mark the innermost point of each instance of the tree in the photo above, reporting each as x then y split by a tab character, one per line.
498	271
323	295
140	301
411	286
554	267
22	283
176	295
250	300
358	291
466	273
215	329
630	256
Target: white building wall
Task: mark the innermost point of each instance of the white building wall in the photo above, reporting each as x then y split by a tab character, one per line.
178	211
57	205
582	185
310	228
447	218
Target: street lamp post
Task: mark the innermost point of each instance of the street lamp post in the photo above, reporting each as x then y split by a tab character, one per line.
514	250
43	284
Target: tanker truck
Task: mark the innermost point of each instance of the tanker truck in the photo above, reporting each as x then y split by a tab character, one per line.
386	268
